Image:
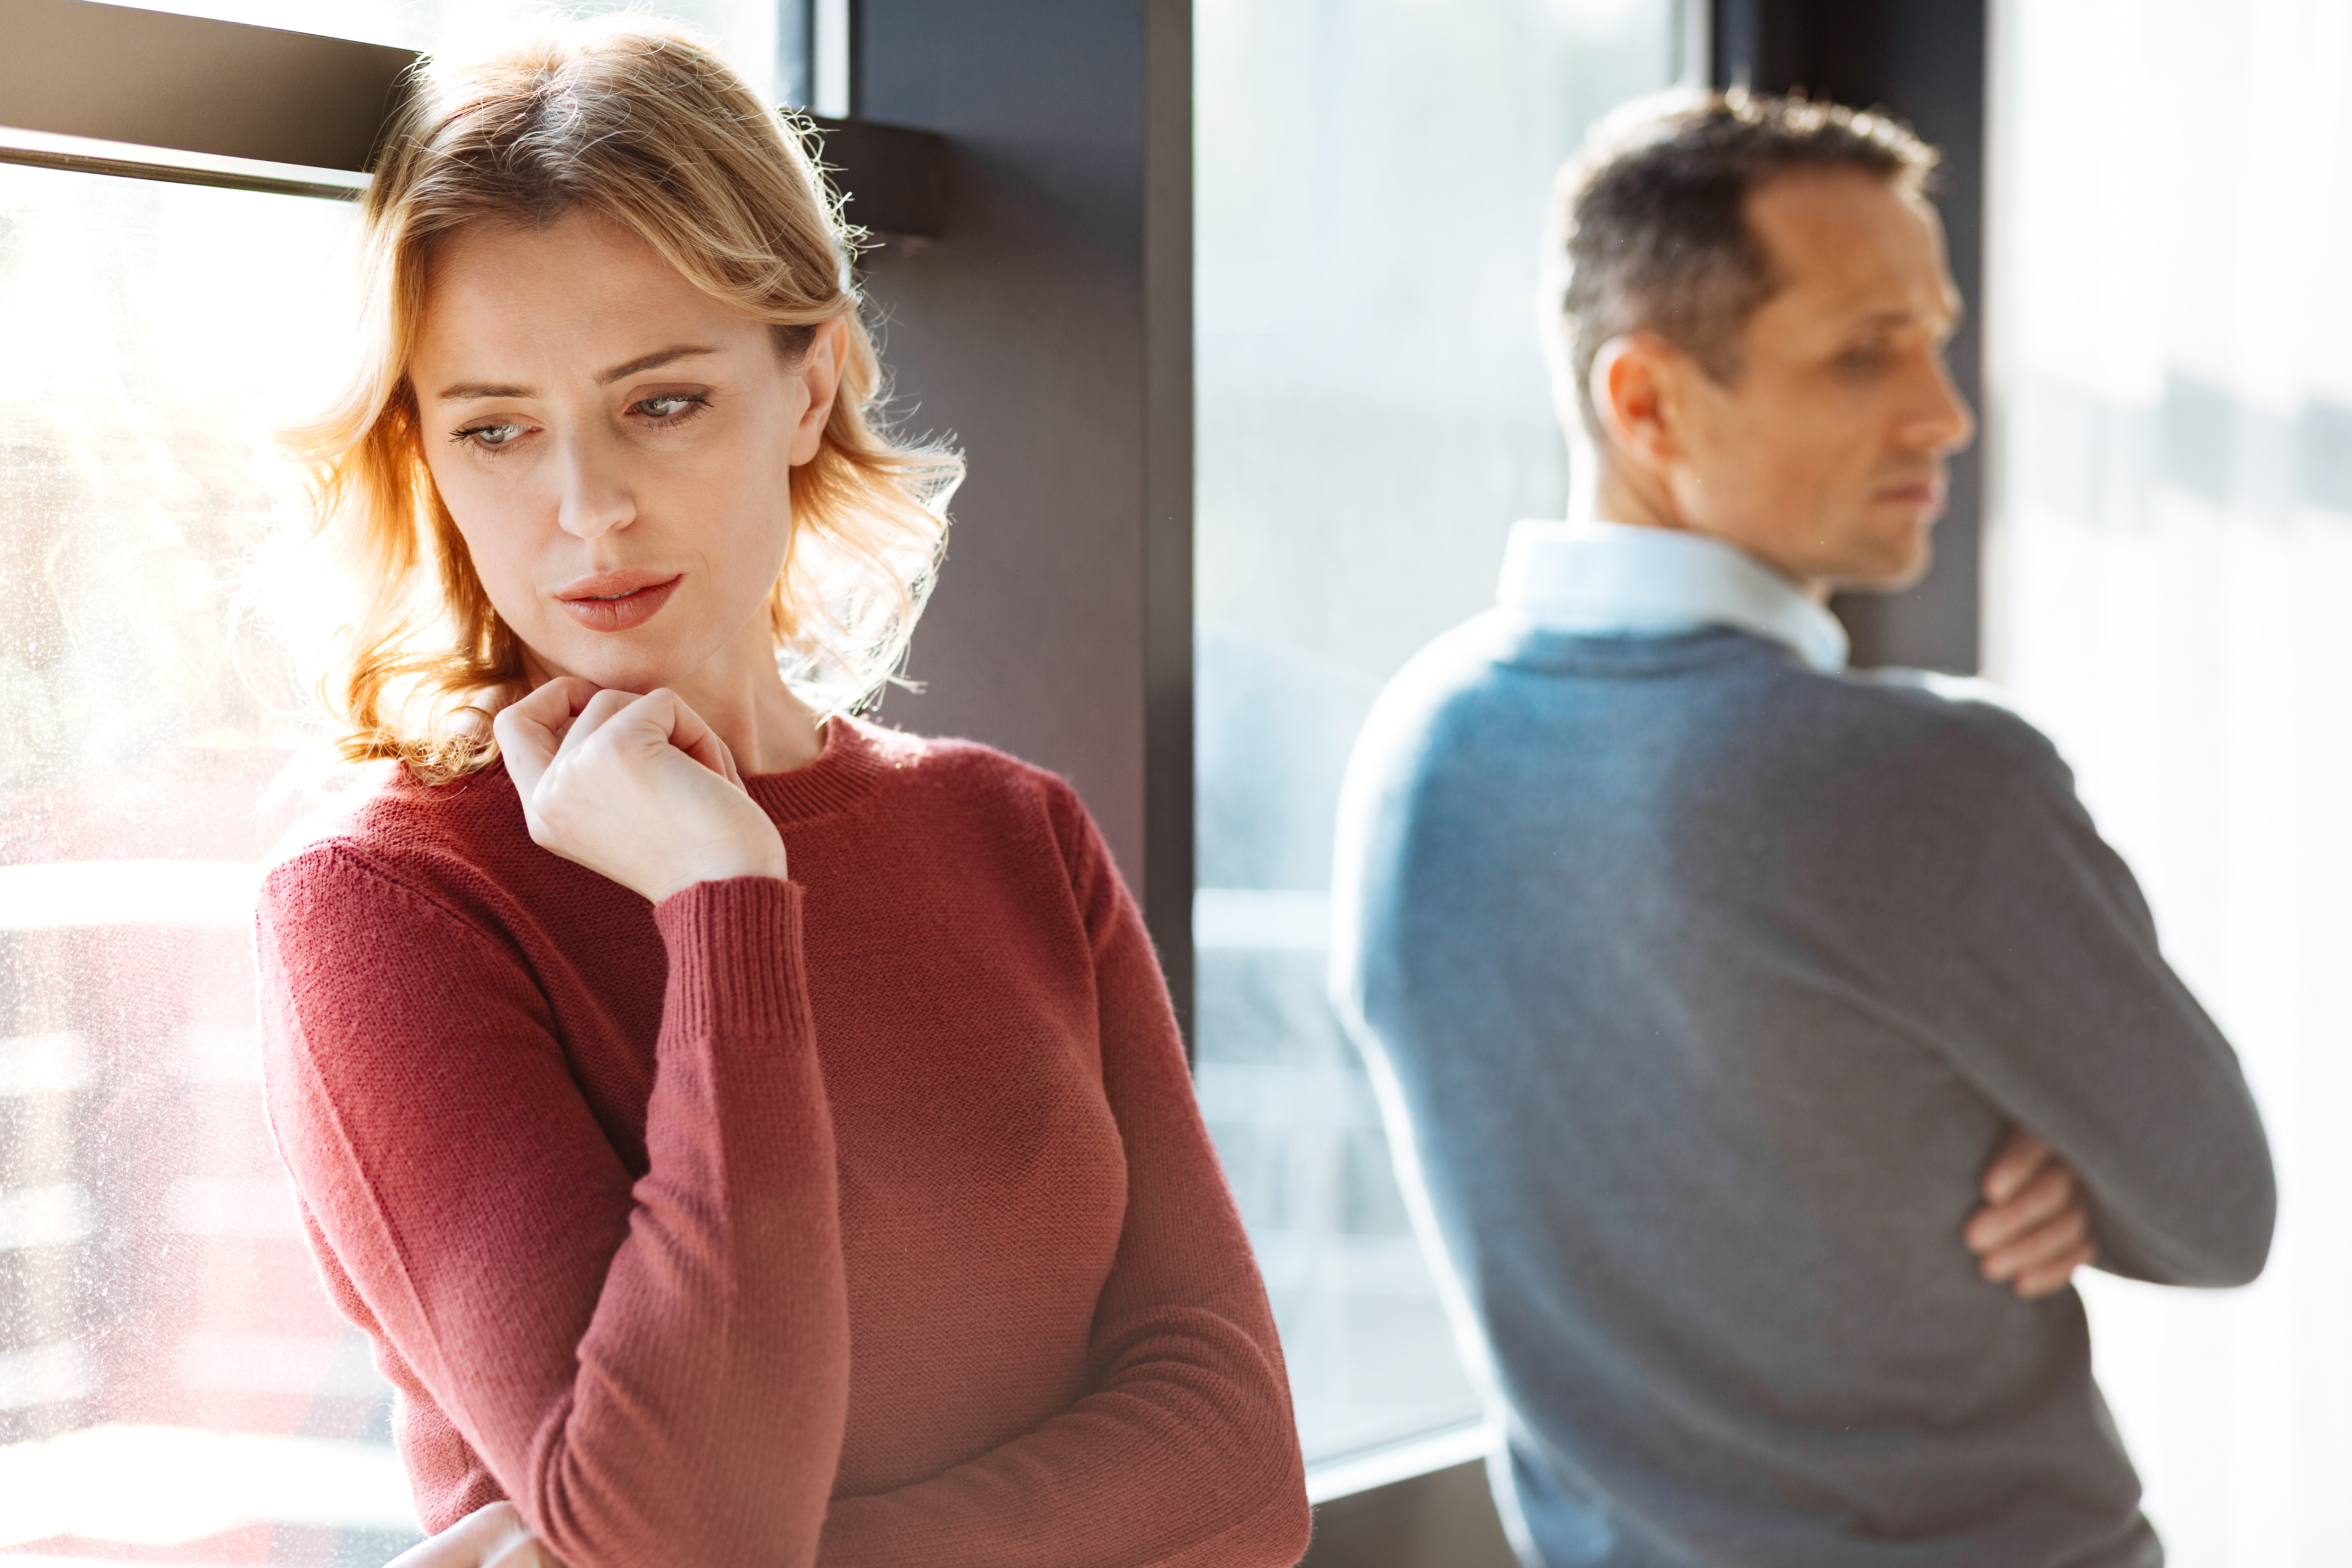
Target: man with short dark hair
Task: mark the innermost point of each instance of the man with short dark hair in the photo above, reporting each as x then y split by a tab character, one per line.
1765	1045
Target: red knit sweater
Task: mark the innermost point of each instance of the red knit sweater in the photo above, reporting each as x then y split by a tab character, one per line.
862	1218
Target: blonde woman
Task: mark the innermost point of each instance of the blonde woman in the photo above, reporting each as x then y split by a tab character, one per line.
749	1136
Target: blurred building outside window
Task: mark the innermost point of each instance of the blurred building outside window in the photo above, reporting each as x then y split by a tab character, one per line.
1373	415
2169	560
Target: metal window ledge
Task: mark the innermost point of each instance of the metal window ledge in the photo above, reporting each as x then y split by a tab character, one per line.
1393	1462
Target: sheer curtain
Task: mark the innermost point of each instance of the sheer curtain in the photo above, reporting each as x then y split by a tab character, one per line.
2171	563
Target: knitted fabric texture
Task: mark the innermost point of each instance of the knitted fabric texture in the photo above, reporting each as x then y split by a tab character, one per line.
862	1218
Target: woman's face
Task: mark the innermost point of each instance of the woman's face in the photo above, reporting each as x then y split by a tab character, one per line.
617	448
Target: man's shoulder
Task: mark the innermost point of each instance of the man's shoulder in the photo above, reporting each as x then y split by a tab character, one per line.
1449	700
1481	681
1957	716
1710	721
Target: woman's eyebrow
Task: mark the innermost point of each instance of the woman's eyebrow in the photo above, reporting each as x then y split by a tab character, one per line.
656	361
472	391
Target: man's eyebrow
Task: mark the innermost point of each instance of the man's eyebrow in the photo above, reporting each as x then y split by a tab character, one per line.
474	391
1946	321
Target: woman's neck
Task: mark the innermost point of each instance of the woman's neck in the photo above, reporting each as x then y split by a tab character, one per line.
767	728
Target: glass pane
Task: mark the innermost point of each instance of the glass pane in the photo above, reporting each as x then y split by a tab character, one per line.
2173	401
1373	417
173	1383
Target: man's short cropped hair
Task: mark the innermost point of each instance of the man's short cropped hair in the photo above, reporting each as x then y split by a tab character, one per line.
1648	227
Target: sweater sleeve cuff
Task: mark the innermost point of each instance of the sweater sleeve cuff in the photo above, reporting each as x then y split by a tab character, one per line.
734	949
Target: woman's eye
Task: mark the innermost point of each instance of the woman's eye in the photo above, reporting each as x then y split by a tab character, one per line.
668	406
492	437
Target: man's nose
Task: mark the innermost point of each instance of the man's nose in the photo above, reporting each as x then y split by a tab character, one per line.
596	497
1943	422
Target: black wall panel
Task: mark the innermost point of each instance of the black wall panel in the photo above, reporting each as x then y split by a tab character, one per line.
1047	330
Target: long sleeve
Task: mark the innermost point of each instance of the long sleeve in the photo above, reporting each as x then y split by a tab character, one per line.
1182	1450
2061	1009
655	1371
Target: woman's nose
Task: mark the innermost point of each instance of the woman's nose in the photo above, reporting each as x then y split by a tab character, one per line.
596	498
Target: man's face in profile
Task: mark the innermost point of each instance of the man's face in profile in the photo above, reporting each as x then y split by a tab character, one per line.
1826	453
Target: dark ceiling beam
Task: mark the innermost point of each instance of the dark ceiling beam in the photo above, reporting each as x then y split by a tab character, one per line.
190	84
180	85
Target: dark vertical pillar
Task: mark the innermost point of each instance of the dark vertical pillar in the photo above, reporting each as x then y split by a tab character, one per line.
1047	330
795	53
1923	60
1167	816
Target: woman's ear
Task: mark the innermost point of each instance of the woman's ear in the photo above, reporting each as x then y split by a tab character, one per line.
820	373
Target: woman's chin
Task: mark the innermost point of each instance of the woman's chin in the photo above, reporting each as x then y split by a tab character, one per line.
616	669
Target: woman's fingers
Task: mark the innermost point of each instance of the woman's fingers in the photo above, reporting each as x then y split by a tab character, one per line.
641	790
690	734
600	708
533	729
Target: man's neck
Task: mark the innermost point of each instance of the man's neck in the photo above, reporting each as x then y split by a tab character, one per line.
1636	500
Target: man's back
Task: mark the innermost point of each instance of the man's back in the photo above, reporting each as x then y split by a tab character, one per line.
1708	985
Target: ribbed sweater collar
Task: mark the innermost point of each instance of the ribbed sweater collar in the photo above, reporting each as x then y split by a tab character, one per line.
853	761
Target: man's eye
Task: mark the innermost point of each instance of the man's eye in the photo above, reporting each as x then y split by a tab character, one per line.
1860	360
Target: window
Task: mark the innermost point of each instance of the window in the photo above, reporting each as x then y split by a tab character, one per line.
1373	417
170	1374
173	1382
2172	393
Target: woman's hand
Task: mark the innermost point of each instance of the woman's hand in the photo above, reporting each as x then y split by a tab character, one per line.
2033	1231
639	789
491	1537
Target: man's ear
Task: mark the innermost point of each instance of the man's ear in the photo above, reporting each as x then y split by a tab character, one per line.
1633	383
820	371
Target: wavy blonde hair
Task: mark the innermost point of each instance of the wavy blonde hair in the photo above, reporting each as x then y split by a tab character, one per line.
644	123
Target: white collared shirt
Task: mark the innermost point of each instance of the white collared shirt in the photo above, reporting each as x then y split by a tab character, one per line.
1602	578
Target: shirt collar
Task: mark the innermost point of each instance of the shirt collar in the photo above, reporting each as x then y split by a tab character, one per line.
1607	577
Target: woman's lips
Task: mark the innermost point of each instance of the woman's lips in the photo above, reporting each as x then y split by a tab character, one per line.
617	601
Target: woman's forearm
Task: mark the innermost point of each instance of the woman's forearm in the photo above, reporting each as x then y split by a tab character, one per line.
655	1371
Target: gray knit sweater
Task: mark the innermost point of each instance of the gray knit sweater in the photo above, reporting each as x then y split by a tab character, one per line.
1702	987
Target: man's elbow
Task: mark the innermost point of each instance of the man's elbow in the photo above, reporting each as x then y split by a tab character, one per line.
2227	1246
2248	1220
2246	1248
